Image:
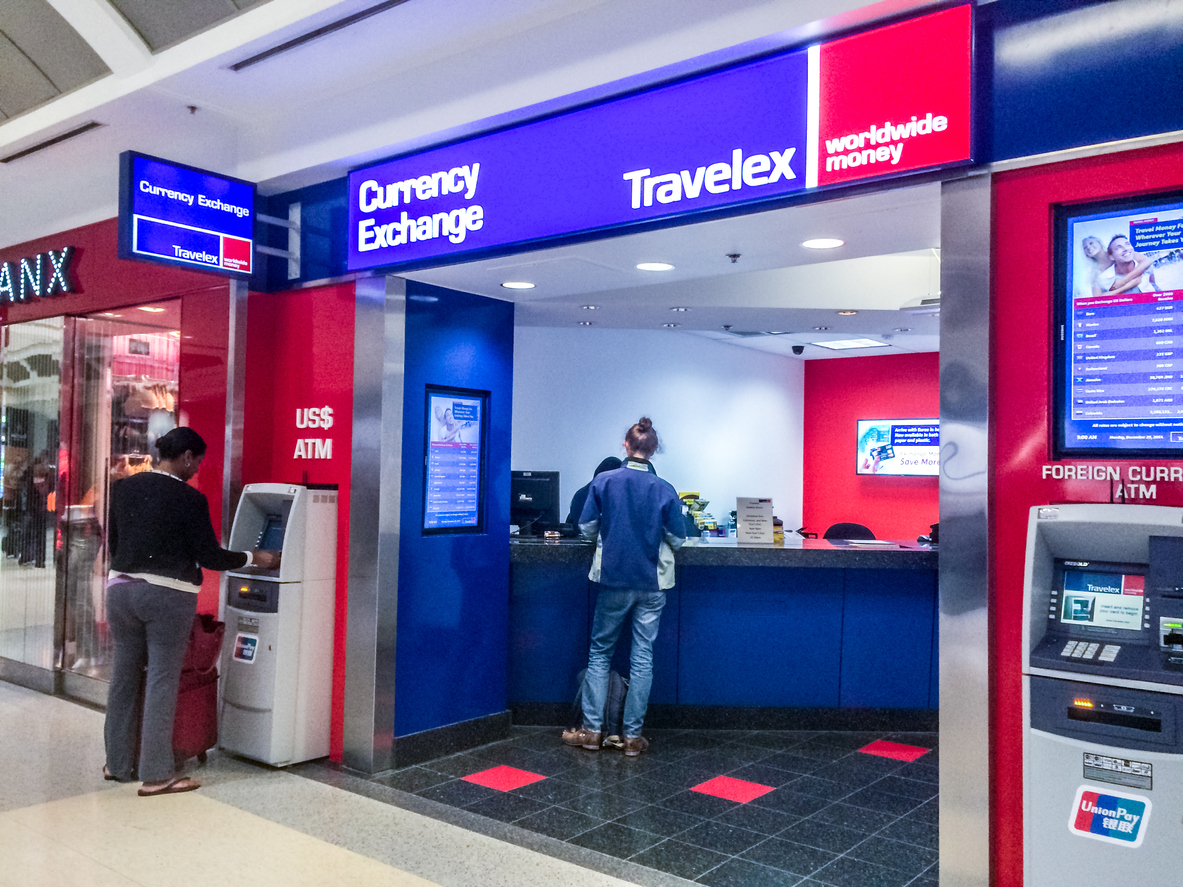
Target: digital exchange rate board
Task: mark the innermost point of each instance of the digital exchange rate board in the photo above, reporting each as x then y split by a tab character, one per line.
453	495
1121	361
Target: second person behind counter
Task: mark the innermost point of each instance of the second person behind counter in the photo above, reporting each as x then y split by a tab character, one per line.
580	497
636	519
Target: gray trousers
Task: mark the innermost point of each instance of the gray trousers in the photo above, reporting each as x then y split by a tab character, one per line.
150	626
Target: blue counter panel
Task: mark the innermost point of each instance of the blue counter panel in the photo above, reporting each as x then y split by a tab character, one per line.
934	689
665	649
760	636
551	621
887	639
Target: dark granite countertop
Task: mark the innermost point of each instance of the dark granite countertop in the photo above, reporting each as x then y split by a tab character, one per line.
794	552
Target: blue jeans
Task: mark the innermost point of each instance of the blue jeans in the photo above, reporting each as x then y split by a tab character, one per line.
613	606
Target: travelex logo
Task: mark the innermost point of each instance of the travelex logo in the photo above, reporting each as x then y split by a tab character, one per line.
715	178
886	142
1109	816
454	224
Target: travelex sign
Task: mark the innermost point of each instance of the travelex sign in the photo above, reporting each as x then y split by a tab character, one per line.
178	215
883	102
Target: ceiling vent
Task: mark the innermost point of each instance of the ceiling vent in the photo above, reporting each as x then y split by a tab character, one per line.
41	146
323	31
926	306
750	334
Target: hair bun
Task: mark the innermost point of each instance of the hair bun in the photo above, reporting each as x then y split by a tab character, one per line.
645	423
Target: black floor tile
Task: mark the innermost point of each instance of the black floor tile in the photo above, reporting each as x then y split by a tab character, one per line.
823	835
763	774
603	804
642	788
546	763
504	753
659	820
683	860
758	819
848	872
913	831
908	788
506	807
413	779
722	838
887	803
793	762
559	822
907	858
458	793
682	775
858	769
788	801
550	791
920	770
857	818
727	758
826	789
535	739
698	804
776	739
616	840
456	765
789	856
742	873
929	812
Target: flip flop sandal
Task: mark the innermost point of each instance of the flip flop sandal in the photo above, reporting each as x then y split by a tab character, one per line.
111	777
174	786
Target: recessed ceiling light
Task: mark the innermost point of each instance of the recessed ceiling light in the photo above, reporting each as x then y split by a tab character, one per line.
151	309
109	314
517	285
670	326
821	329
823	243
901	329
844	344
424	298
679	309
176	334
587	323
655	266
590	307
847	313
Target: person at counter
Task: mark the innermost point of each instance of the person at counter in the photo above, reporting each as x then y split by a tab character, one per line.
636	519
580	497
160	535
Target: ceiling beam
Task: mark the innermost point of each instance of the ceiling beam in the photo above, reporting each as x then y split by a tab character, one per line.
108	33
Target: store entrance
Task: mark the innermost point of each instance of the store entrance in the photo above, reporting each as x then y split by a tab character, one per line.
84	400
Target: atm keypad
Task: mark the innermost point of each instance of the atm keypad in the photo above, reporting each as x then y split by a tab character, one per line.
1087	650
1109	653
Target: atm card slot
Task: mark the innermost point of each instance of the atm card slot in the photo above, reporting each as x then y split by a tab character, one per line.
1145	723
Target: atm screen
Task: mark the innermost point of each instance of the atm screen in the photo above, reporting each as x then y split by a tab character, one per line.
271	539
1102	595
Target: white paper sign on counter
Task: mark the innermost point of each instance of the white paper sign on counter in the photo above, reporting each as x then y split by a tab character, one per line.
753	520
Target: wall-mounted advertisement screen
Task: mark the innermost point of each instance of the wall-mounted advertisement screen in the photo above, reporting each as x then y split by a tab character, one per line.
880	103
177	215
1119	328
454	456
899	447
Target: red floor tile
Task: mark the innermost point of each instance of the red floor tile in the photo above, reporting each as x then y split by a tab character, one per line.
503	778
732	789
895	750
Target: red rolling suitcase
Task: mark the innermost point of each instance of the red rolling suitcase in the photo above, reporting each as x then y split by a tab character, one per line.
195	728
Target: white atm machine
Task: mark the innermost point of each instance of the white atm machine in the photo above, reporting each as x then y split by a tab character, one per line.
1103	696
278	658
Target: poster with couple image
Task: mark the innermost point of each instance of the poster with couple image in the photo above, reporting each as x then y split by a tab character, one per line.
1119	327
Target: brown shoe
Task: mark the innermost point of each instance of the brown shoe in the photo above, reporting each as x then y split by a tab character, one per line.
583	738
634	745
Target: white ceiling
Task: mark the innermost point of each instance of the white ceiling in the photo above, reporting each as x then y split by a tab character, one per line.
427	70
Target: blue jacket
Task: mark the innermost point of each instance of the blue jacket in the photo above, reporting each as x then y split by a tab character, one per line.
636	519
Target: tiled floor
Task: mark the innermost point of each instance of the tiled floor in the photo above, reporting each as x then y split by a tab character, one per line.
835	815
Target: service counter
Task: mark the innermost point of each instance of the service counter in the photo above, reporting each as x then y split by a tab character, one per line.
809	633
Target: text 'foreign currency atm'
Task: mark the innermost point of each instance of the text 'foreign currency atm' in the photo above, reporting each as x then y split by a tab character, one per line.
279	626
1103	696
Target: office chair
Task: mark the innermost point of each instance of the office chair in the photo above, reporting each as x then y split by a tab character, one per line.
848	531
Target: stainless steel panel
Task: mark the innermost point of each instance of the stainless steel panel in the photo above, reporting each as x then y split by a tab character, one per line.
964	635
375	502
235	398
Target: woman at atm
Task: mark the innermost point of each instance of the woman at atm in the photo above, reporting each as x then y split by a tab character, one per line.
160	535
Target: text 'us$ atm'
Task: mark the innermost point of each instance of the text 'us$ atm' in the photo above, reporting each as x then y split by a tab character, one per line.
278	657
1103	696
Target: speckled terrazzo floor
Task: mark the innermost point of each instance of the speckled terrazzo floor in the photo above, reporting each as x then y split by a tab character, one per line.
828	813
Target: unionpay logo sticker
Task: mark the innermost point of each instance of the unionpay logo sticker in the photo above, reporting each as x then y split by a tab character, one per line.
1108	816
245	647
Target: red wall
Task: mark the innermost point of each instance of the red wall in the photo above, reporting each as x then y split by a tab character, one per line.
837	394
300	354
1021	337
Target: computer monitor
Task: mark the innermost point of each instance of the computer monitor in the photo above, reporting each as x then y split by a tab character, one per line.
534	500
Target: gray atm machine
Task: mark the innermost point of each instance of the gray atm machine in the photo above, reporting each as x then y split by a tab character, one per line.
1103	696
278	659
